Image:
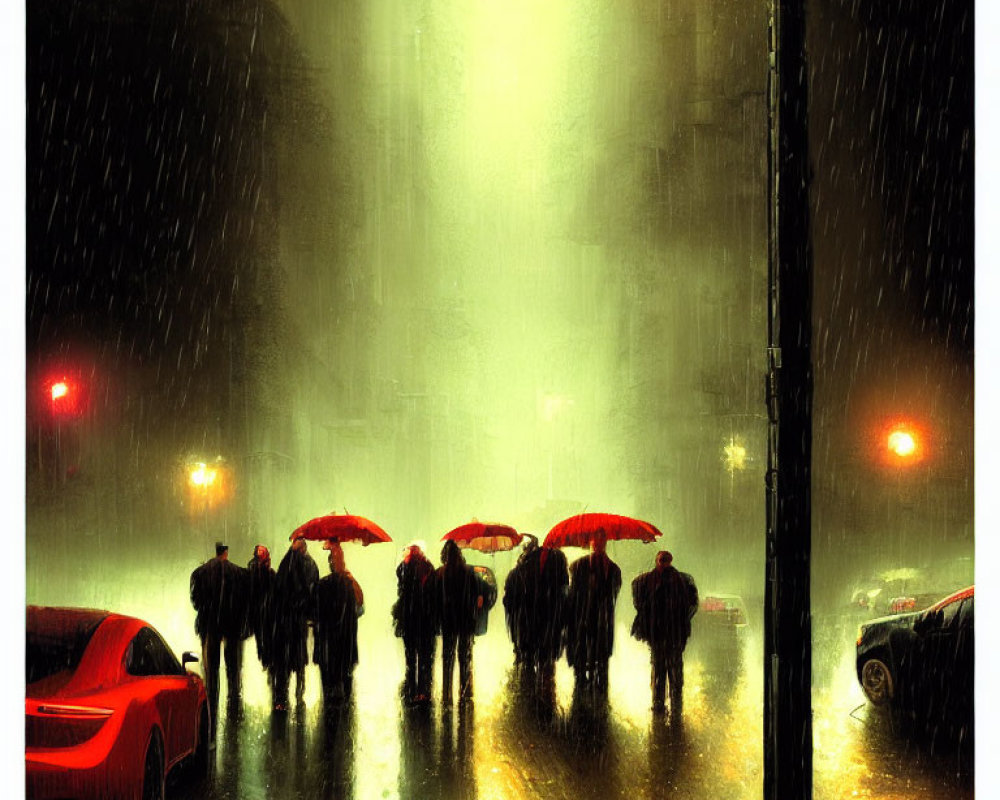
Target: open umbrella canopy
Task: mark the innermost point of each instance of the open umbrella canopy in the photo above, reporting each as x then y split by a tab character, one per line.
582	529
341	528
486	537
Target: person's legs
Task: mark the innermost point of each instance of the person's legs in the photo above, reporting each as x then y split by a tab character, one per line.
658	678
425	666
410	679
210	670
234	665
600	675
545	683
300	684
448	642
675	672
465	643
282	678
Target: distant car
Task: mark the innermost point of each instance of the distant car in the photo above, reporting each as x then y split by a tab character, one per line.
722	611
109	710
718	626
923	657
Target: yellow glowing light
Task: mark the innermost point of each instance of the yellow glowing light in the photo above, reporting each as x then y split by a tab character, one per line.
902	443
202	475
59	390
735	456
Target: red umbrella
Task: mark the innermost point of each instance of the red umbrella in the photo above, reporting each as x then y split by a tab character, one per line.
485	537
581	530
341	528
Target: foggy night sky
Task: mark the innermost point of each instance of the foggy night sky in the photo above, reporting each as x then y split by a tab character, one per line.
163	243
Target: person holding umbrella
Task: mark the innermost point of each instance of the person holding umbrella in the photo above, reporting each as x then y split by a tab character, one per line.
339	602
293	587
665	600
594	583
415	615
459	597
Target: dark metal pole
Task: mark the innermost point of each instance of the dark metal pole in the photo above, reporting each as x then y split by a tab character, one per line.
787	645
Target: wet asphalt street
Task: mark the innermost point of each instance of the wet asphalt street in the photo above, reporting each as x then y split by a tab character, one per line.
504	745
500	746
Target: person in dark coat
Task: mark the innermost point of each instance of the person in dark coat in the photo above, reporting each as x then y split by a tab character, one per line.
261	612
665	600
415	616
546	603
595	581
219	594
459	597
515	607
339	602
292	603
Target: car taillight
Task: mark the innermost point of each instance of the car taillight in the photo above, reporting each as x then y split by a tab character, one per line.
63	725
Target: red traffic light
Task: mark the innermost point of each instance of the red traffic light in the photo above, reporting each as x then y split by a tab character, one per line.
65	396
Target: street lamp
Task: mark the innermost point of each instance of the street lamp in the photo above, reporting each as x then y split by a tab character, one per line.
903	444
209	484
734	456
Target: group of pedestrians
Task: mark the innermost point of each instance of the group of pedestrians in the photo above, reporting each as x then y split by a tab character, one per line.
551	607
276	607
449	601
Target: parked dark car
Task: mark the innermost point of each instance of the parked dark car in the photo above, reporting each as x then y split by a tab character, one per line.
108	708
921	660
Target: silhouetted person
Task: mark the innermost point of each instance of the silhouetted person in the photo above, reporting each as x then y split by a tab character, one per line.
415	614
459	597
293	586
515	607
595	581
219	594
548	577
339	602
261	609
665	600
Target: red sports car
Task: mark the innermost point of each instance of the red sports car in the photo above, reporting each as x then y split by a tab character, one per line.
109	710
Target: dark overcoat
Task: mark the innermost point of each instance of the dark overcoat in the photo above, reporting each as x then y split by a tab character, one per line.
294	582
335	612
219	594
416	611
457	591
261	612
595	581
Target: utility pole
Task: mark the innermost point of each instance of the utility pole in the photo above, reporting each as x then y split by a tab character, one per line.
787	630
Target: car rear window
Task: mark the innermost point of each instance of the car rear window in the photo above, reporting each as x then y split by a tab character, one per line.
55	643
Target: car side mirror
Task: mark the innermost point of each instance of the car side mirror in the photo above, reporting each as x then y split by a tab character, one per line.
188	658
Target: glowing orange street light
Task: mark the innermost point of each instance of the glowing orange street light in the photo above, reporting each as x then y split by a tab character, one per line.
203	476
209	485
904	444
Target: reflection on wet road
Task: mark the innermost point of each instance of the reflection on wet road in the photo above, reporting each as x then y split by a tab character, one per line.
510	743
507	744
